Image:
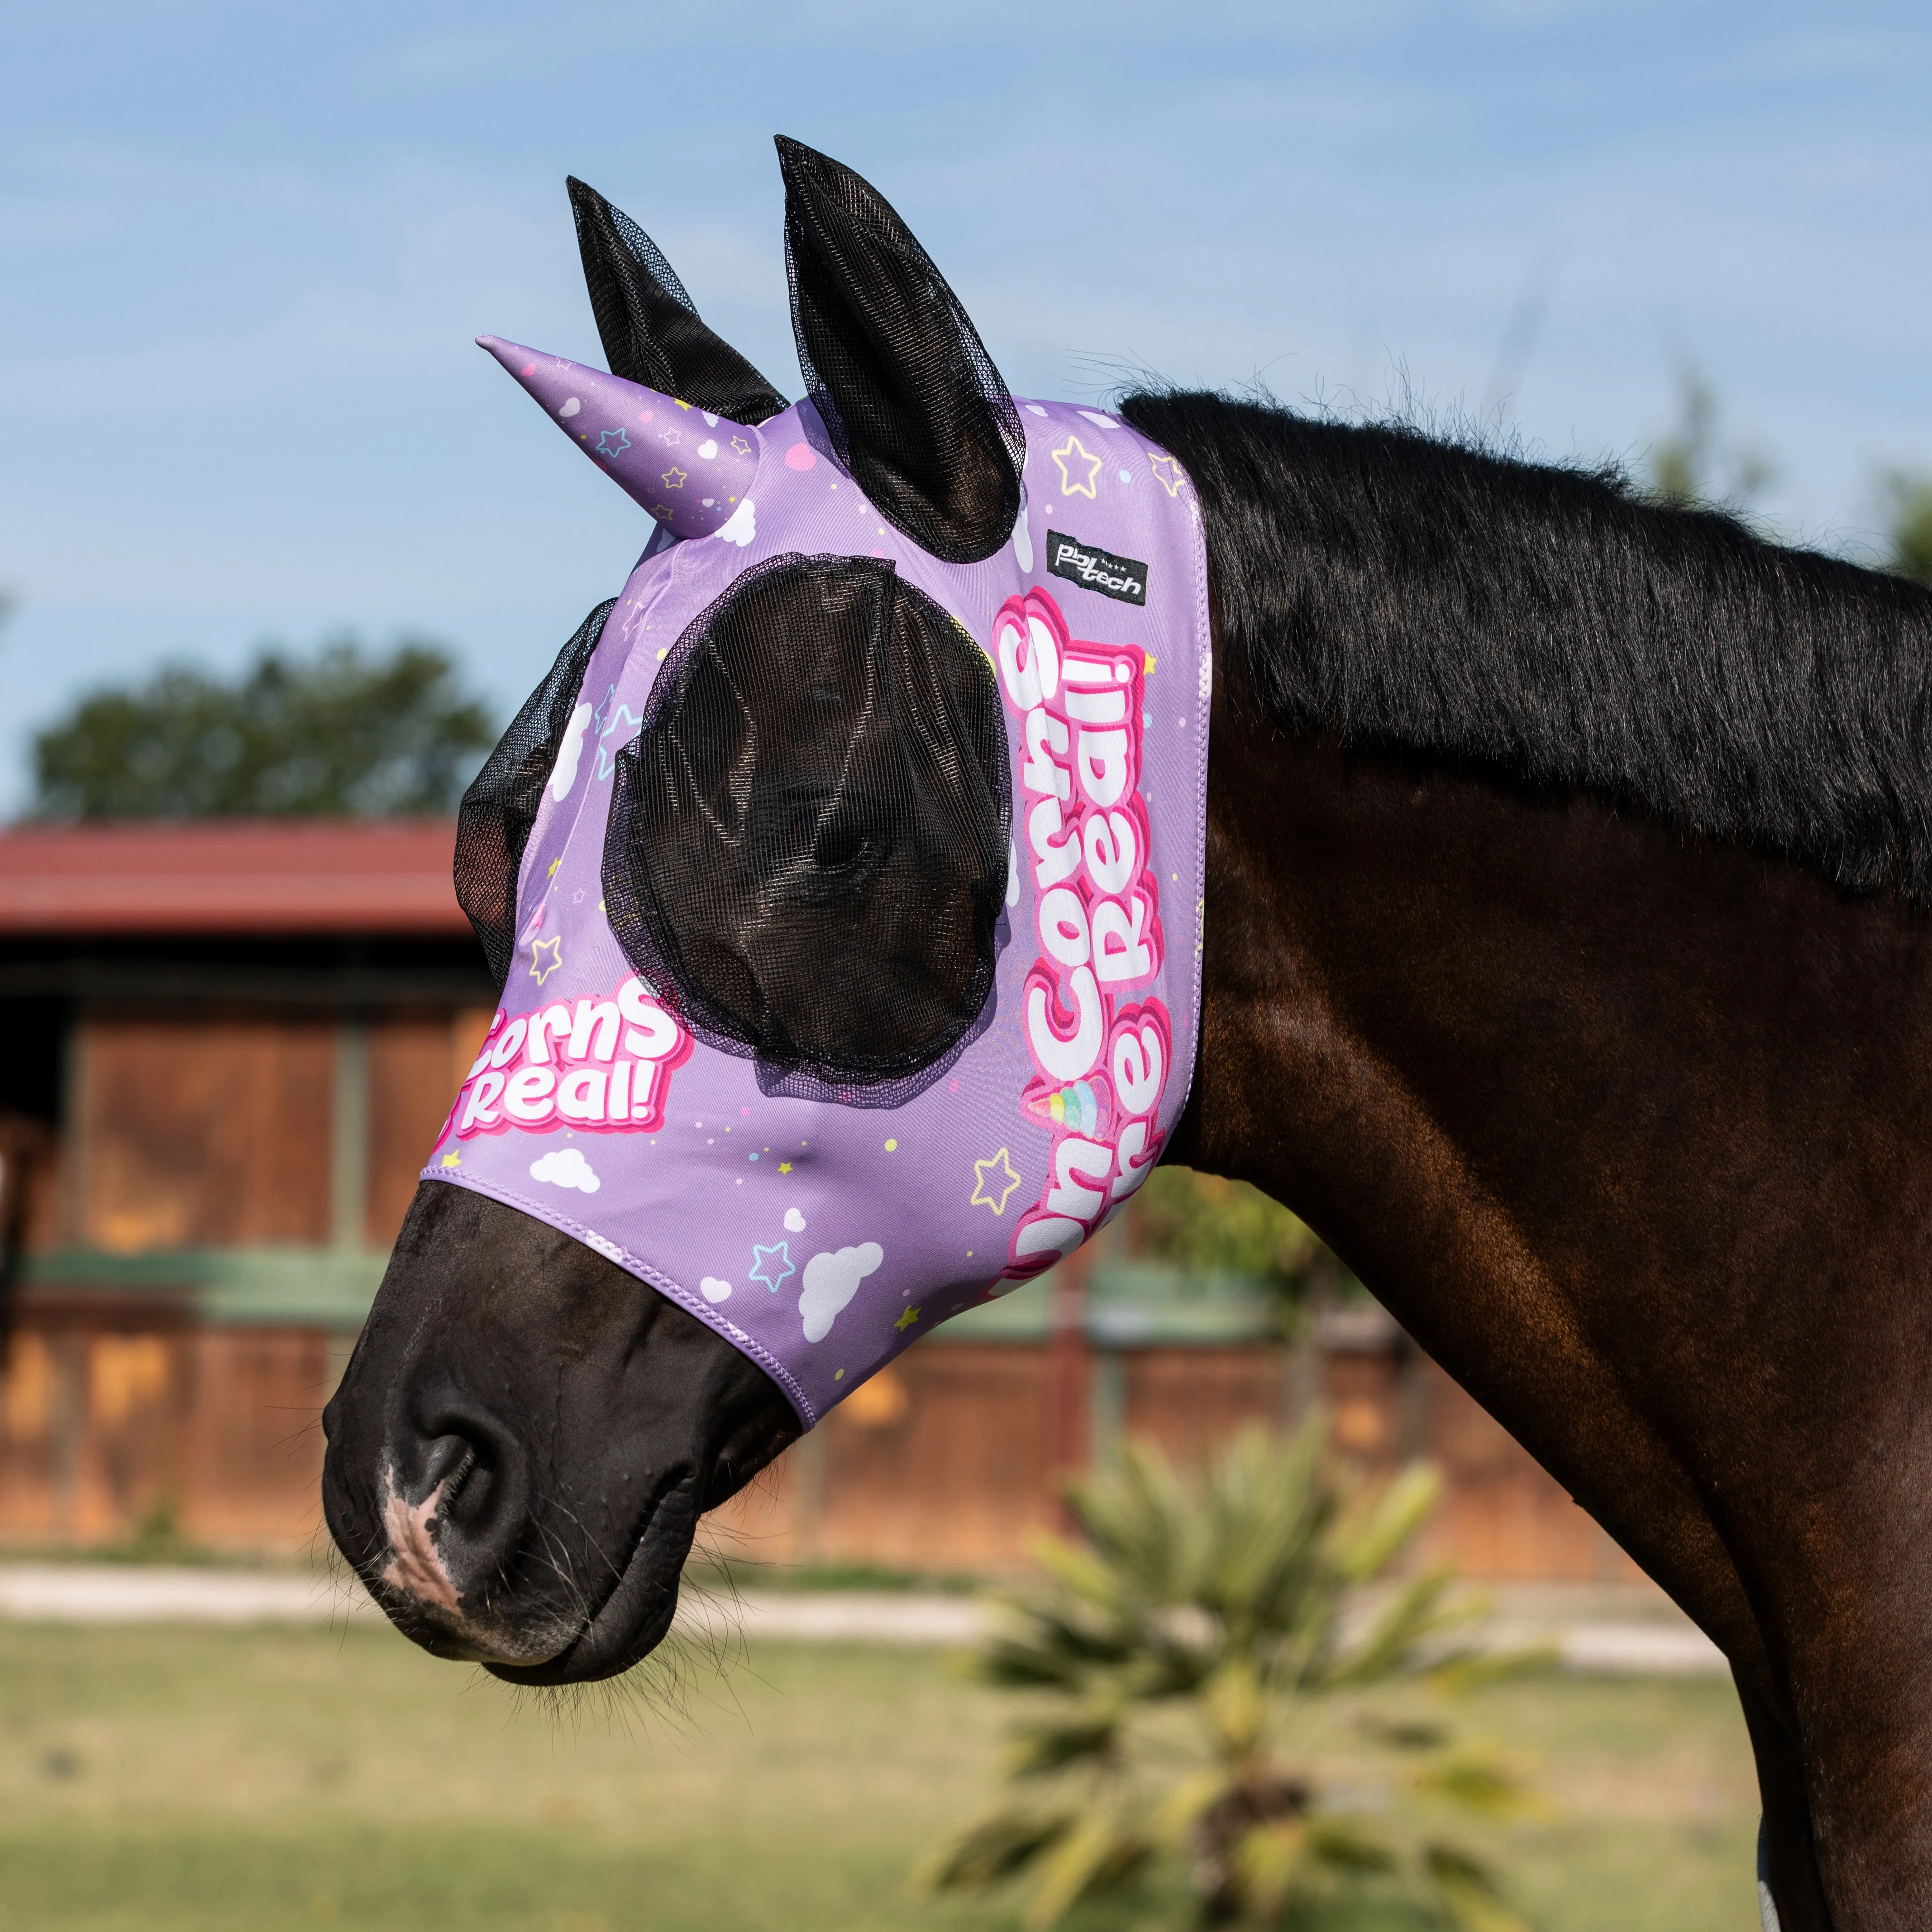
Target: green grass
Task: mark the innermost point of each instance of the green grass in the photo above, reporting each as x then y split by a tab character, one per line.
272	1780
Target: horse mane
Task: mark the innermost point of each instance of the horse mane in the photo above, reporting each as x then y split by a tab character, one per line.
1549	624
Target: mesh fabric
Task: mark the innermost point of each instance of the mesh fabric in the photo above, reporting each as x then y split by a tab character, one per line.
808	843
493	823
910	397
649	326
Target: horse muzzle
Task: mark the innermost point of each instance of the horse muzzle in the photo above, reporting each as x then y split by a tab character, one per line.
524	1440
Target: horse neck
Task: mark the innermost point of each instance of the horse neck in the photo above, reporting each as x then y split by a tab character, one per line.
1633	1134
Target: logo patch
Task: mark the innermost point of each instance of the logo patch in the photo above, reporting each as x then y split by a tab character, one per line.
1122	578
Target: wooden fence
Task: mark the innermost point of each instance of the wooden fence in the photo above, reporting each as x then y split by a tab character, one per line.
124	1413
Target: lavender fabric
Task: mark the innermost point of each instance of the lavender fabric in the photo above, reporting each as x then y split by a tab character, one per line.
821	1238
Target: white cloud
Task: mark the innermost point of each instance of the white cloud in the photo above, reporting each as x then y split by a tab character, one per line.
568	753
830	1282
794	1221
565	1167
742	525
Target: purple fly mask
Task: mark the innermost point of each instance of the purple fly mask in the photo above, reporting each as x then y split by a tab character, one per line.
845	874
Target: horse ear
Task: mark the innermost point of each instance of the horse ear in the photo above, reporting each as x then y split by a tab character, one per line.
649	326
909	396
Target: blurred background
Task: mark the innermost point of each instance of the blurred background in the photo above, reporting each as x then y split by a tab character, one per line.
279	554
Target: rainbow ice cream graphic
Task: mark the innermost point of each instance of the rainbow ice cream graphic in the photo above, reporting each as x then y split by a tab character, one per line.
1081	1107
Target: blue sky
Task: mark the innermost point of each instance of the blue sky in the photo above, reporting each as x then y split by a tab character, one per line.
244	249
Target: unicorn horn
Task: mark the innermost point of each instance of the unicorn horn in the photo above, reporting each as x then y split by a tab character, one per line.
690	470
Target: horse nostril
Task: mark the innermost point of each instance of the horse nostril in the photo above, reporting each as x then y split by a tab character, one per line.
469	1465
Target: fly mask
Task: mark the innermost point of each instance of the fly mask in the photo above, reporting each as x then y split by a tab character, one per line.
844	875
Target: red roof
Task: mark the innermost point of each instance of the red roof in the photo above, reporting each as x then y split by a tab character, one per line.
231	875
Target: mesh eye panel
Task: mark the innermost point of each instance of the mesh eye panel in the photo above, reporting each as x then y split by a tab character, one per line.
493	824
807	850
909	396
649	326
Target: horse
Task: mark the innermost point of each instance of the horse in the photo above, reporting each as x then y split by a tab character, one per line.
1566	966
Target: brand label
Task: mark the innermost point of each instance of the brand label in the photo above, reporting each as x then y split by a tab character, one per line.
1124	577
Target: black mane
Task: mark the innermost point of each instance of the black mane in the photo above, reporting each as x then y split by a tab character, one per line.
1549	623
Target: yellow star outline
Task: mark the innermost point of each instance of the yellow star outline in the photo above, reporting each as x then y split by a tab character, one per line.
1069	456
674	478
743	448
995	1168
907	1316
540	971
1170	478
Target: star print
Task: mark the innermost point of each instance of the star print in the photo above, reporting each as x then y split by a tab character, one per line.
1168	472
540	969
671	438
743	448
600	718
605	447
607	761
987	1176
576	897
907	1316
674	479
1070	456
452	1160
784	1167
762	1259
662	512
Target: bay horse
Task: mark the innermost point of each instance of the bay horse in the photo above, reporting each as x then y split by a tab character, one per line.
1567	968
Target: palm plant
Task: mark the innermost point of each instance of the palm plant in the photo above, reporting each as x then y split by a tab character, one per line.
1216	1729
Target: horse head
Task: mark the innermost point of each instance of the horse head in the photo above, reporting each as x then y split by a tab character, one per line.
795	1057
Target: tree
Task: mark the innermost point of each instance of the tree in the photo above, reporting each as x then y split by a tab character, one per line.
1197	1667
343	733
1689	467
1204	1224
1910	497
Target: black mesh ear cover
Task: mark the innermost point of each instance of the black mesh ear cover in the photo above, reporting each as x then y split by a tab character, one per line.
911	398
649	326
493	823
808	844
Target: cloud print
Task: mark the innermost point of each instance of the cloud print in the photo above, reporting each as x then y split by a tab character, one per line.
565	1167
568	753
830	1282
742	525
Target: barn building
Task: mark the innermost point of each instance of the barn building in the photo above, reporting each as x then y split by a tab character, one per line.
230	1045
